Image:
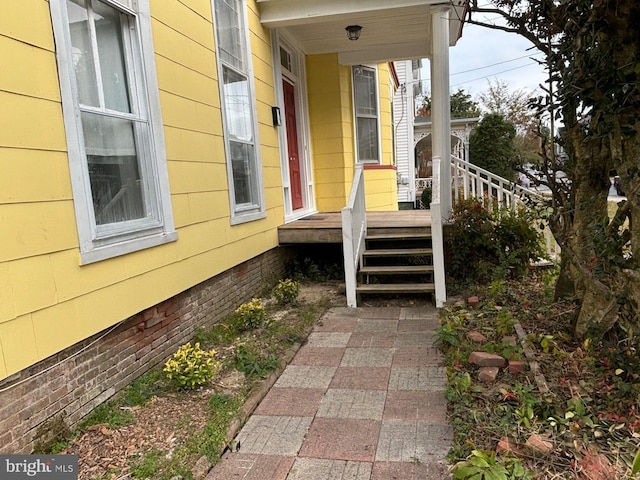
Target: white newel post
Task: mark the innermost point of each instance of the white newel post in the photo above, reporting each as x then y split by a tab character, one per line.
440	102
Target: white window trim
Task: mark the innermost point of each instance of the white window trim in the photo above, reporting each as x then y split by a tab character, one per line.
240	213
355	116
93	248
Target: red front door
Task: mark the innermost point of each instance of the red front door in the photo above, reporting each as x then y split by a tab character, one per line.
292	145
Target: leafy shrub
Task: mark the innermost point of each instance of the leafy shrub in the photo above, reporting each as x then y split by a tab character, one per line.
191	367
286	292
492	244
426	196
251	314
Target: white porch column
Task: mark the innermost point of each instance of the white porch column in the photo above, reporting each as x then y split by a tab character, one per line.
440	102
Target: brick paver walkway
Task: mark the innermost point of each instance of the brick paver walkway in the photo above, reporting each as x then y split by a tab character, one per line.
363	399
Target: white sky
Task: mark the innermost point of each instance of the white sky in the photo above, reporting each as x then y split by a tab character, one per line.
491	54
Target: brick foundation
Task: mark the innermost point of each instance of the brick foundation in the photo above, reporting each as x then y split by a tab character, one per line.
70	384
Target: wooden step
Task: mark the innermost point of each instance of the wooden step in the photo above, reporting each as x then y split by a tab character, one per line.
397	269
398	252
397	288
397	236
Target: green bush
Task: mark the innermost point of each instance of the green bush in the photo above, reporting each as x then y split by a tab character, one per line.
488	245
191	367
426	196
286	292
251	315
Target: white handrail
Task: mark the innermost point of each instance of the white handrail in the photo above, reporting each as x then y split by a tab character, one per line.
354	231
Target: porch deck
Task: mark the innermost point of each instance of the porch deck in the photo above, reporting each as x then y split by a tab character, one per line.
326	227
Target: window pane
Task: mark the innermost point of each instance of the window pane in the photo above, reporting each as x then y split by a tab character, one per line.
230	38
114	170
111	56
367	139
242	163
82	52
237	106
365	91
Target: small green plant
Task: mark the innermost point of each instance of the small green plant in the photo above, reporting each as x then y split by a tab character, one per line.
253	364
446	336
251	315
286	292
485	465
191	367
458	385
504	323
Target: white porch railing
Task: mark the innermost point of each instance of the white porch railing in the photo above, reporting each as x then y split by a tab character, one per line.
469	180
354	230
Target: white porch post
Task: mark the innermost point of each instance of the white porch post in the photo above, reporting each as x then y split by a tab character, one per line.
440	102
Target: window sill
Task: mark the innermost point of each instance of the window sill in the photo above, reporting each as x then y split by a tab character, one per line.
240	218
128	246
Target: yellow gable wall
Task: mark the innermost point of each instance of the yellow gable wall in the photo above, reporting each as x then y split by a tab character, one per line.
47	300
332	136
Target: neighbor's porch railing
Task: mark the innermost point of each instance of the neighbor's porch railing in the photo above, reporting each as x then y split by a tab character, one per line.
354	230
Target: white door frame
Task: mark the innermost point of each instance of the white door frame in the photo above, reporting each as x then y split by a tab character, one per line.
298	79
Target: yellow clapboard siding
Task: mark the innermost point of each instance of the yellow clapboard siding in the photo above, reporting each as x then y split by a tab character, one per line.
187	145
3	367
33	175
19	344
7	305
181	49
73	280
33	284
33	70
201	7
180	112
28	21
184	82
30	229
21	116
183	19
188	177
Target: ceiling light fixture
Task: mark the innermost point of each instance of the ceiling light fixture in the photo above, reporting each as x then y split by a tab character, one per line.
353	32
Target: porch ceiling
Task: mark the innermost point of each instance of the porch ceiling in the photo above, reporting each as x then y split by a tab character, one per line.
391	29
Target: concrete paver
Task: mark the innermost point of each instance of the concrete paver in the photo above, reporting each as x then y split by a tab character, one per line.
295	402
363	399
242	466
323	469
375	325
362	404
413	441
330	357
271	435
306	376
328	339
341	439
419	378
363	378
367	357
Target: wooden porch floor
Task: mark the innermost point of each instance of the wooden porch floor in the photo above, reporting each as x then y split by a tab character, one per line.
327	227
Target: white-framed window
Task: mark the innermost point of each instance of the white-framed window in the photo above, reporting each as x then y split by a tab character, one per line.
238	107
365	101
113	125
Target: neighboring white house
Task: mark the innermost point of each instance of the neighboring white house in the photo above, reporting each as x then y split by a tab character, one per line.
408	72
